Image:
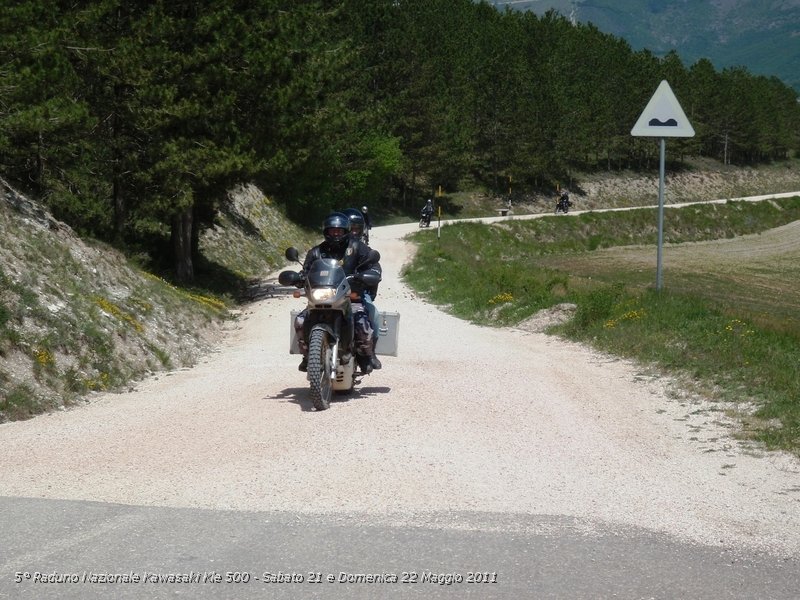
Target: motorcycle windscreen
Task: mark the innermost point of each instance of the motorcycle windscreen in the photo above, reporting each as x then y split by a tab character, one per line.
325	272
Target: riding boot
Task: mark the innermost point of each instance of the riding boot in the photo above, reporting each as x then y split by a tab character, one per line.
364	363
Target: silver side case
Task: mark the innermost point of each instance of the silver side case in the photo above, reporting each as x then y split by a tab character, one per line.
388	333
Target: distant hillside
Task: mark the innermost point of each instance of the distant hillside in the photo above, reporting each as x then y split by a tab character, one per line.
761	35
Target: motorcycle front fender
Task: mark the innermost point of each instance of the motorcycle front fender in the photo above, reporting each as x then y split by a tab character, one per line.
324	327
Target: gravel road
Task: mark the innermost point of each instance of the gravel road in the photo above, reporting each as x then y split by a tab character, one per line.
466	420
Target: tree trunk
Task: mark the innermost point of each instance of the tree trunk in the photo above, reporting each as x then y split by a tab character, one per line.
119	210
40	164
118	199
182	245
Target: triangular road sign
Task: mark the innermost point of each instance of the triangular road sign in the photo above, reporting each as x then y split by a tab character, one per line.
663	116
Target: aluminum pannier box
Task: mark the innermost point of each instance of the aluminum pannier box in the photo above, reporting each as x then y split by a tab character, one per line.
388	330
388	333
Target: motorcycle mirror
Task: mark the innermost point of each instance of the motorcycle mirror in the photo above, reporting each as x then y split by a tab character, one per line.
370	279
292	254
288	278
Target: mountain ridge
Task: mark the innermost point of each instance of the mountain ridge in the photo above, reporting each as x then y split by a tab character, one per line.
761	35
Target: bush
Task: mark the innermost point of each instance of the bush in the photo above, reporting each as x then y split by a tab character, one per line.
597	305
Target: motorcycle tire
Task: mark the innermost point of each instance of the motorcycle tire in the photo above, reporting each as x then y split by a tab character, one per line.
319	369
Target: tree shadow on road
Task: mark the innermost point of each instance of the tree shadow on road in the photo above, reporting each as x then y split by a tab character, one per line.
300	396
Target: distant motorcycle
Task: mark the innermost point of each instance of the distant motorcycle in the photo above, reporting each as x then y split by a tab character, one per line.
563	204
425	219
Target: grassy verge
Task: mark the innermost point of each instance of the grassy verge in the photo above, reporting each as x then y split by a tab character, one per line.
715	323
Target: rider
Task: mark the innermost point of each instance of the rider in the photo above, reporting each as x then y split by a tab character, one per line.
357	223
358	232
353	255
427	211
367	218
563	200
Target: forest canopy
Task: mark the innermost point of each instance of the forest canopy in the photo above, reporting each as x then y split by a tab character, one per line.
131	120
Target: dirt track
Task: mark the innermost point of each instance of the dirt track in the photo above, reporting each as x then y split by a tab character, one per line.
466	420
727	253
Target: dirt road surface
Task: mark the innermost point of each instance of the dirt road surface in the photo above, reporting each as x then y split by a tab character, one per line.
466	420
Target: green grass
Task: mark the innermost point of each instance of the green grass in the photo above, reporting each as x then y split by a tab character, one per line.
736	358
729	327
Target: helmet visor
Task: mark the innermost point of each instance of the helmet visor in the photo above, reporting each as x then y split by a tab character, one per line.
336	232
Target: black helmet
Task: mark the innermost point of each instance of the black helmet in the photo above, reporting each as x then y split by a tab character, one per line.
357	222
336	230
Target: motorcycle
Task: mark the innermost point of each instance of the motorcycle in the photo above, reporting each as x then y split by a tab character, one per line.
425	220
328	328
563	204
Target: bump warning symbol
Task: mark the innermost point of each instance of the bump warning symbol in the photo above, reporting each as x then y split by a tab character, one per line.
663	116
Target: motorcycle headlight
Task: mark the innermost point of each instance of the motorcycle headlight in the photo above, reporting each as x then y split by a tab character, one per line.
322	294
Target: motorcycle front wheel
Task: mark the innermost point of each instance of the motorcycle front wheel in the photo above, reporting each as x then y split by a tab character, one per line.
319	369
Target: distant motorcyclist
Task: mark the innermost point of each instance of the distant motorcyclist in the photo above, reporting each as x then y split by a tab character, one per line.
563	203
353	255
427	212
367	218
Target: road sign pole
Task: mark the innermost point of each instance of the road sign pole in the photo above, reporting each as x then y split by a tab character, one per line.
661	162
663	117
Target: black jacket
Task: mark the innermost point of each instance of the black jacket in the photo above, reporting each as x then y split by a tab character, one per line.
354	259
